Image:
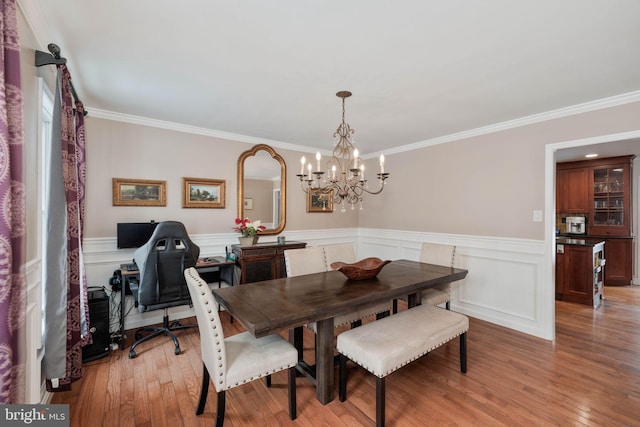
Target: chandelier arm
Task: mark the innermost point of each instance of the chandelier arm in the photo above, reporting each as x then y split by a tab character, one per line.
374	192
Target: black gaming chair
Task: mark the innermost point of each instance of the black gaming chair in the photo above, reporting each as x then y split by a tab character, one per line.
161	262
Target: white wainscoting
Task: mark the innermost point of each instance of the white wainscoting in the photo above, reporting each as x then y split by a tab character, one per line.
102	257
505	284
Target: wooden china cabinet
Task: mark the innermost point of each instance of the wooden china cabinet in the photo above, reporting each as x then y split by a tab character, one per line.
610	198
572	195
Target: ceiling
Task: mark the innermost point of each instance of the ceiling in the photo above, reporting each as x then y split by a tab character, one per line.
419	70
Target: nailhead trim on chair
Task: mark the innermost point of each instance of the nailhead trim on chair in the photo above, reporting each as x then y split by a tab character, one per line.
219	350
216	335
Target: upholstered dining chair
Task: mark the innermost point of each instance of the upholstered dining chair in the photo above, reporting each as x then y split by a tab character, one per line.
300	262
313	260
235	360
161	263
439	254
345	252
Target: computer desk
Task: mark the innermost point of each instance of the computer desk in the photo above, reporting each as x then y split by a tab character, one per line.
204	265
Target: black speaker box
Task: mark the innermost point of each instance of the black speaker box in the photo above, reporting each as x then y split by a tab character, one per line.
98	325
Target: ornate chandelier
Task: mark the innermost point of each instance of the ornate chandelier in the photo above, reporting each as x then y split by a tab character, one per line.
344	181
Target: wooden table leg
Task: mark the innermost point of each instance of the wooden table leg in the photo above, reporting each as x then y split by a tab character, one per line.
414	299
324	362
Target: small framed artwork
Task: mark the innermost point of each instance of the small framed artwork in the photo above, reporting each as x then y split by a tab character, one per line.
203	193
139	192
248	203
319	202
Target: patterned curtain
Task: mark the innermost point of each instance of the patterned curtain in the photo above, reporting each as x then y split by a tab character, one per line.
12	213
66	286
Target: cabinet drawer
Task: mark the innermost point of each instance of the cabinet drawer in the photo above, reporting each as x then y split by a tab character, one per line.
258	253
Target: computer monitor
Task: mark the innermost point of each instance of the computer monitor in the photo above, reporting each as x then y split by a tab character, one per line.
134	234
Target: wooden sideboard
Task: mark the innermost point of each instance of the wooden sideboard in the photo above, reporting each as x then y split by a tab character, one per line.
263	261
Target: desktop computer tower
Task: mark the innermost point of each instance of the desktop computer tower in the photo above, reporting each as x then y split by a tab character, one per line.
98	325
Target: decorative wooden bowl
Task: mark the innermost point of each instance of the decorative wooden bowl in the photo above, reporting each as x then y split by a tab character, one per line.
367	268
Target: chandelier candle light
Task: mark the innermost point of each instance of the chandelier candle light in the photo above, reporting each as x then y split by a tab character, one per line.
346	182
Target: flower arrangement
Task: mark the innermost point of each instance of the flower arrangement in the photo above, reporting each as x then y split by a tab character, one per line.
248	228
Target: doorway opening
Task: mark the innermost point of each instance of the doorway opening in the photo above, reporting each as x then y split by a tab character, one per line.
628	140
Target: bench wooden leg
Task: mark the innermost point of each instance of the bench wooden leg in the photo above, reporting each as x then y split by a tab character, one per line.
342	378
291	388
380	386
463	353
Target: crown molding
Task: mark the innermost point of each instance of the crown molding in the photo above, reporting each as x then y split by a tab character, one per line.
600	104
178	127
586	107
37	24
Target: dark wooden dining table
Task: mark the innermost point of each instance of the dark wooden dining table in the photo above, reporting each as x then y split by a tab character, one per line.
287	304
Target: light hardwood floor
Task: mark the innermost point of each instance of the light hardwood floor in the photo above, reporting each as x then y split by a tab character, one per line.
590	376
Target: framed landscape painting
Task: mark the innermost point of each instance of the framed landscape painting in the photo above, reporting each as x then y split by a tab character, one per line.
319	202
138	192
203	193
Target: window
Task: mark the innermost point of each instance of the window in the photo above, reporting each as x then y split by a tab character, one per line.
44	150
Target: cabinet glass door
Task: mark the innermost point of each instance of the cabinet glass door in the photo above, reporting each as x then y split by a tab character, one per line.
608	196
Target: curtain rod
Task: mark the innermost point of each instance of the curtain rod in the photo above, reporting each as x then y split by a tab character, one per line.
54	58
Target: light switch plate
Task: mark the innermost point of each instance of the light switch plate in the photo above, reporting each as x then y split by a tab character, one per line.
537	216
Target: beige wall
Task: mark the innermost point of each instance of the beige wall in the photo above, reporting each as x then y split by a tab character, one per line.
261	192
124	150
484	186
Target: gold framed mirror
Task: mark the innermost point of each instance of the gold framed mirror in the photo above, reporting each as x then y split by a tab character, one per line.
262	188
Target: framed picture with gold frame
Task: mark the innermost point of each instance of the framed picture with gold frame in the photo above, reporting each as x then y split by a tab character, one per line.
203	193
138	192
319	202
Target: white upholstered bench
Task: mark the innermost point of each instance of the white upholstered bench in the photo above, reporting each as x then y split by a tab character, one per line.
383	346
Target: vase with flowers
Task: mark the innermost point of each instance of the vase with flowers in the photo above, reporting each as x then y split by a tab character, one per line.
249	230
